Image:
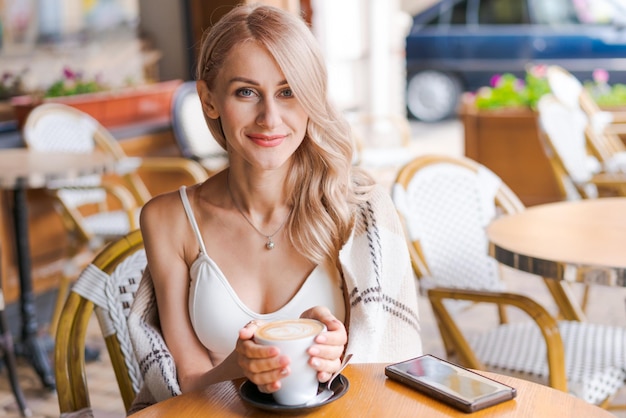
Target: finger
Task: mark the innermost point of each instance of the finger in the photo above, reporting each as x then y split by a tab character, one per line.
321	313
247	347
327	350
269	388
263	357
325	368
250	328
268	378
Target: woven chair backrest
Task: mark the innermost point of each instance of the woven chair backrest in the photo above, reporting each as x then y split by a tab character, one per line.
192	133
446	208
564	129
56	128
565	87
113	294
61	132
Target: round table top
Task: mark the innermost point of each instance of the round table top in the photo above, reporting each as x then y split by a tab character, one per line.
575	240
372	394
34	169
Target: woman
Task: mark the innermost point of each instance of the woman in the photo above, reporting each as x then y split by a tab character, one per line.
289	229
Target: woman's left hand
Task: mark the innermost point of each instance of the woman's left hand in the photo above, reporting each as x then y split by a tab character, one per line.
329	345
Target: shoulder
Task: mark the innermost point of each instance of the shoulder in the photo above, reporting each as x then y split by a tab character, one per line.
162	204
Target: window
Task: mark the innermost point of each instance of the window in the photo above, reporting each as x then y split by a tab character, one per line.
554	12
459	13
503	12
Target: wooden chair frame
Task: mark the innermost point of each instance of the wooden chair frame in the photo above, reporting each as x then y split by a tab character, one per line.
453	339
71	379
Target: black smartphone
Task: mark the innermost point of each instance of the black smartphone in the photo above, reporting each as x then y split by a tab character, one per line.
450	383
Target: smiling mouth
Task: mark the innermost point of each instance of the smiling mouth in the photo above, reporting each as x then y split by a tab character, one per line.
267	138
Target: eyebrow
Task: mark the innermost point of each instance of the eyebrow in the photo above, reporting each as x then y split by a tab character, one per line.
249	81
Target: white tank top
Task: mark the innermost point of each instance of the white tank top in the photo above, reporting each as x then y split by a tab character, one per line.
217	314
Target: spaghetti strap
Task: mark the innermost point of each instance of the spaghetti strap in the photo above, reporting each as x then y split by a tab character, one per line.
191	217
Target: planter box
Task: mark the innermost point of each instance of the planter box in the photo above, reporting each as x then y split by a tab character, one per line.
507	142
111	108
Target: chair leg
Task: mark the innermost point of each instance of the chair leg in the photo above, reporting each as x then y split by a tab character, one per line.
8	356
63	291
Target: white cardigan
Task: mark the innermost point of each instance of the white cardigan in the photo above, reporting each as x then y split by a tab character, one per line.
383	324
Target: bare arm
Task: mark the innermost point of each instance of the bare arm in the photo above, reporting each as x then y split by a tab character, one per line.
170	275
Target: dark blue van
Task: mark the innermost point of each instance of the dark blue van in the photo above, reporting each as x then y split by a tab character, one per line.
458	45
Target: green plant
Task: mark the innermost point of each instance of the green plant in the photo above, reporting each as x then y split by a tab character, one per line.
603	93
509	91
616	96
73	83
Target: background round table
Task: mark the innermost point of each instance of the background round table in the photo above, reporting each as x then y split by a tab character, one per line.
581	241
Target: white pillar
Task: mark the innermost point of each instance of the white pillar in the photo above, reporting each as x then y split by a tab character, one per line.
363	43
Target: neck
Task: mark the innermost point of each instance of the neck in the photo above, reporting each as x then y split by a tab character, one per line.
269	243
261	196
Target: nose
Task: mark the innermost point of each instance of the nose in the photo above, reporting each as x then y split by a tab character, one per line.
269	114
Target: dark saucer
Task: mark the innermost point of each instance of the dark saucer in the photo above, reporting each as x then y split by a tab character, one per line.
251	395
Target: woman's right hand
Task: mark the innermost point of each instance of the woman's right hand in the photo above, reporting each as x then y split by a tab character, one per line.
262	365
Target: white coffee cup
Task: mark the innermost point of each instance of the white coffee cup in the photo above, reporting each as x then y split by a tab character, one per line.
293	337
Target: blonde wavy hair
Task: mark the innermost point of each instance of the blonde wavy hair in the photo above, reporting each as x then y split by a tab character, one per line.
324	186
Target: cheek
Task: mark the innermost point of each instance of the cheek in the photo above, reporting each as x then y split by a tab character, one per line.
299	120
233	116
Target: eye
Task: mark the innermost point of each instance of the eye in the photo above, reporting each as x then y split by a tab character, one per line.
245	92
286	92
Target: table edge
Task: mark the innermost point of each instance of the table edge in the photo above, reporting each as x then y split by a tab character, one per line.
559	270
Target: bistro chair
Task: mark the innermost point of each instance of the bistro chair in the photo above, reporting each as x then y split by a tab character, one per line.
577	171
94	211
446	204
108	286
602	129
192	134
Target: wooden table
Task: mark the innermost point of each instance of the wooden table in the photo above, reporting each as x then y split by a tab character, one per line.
371	394
582	241
22	169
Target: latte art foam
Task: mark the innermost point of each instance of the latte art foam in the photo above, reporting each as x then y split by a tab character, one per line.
289	329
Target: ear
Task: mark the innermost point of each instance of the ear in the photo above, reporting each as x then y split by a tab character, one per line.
207	100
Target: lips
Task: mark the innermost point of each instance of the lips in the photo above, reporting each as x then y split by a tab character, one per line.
267	140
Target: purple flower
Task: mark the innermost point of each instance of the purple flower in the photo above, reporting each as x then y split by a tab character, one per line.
495	80
68	73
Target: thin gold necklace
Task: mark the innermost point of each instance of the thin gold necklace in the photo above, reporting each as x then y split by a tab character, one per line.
270	243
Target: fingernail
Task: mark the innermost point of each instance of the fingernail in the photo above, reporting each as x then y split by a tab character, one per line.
314	351
284	371
315	362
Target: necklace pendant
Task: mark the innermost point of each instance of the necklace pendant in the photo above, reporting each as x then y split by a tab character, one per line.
269	244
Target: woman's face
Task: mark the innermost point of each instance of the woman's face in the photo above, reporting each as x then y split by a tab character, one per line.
262	120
